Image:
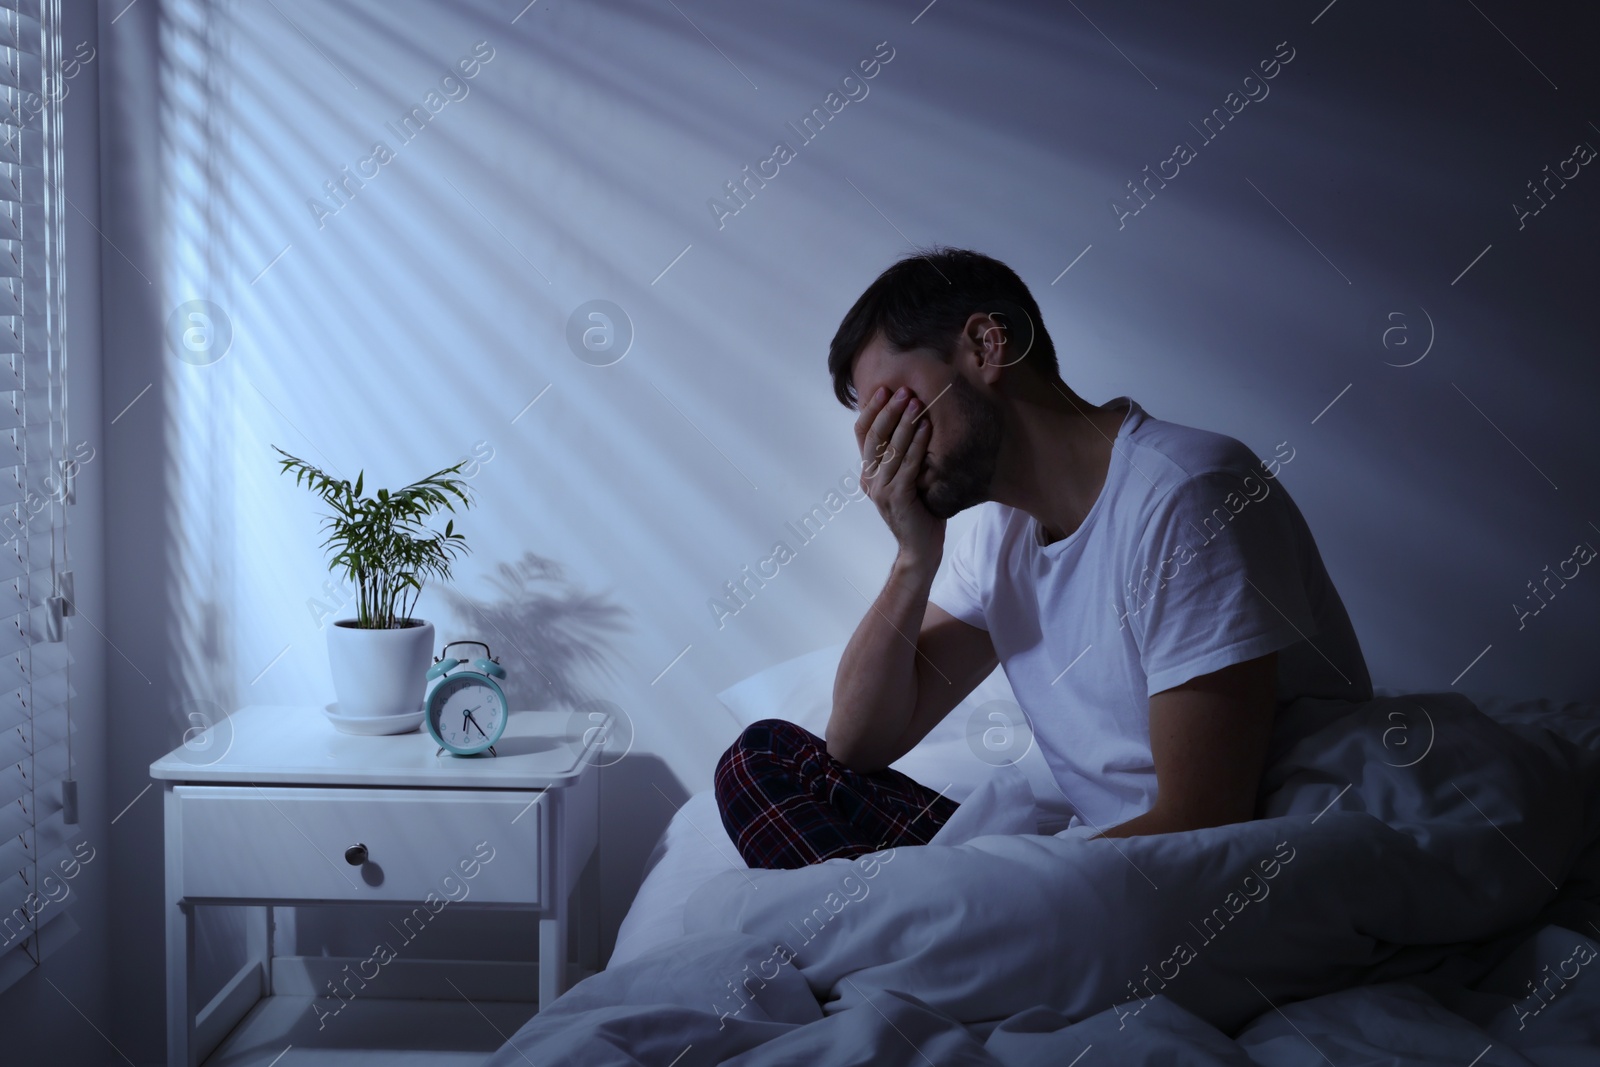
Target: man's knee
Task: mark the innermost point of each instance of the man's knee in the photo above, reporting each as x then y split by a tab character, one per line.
759	746
769	787
778	735
773	738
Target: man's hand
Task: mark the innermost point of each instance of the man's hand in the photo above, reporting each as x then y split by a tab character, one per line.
894	445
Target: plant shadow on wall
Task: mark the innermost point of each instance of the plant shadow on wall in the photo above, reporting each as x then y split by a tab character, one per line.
566	634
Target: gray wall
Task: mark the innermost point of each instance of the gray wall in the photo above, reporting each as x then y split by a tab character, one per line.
1276	274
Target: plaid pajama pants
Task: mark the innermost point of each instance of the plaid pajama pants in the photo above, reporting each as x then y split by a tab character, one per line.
786	803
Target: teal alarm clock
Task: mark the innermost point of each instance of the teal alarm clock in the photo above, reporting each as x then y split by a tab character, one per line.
467	709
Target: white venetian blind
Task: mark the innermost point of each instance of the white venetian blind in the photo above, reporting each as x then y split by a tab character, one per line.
38	818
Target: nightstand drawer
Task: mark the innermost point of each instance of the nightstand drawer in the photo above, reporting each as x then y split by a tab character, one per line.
289	843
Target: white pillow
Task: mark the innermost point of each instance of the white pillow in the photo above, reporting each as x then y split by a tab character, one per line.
801	691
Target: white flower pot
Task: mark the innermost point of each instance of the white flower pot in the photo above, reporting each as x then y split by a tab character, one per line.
380	672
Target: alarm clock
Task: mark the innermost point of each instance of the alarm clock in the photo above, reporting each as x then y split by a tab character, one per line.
467	709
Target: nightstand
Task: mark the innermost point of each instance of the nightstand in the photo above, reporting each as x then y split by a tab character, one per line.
274	806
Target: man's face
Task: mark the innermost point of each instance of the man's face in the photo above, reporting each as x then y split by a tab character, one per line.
965	426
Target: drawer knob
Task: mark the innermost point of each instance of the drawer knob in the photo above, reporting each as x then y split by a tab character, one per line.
355	855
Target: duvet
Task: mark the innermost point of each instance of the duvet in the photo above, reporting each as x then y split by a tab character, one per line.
1421	885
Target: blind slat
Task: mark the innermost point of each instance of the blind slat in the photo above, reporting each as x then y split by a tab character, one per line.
44	728
34	783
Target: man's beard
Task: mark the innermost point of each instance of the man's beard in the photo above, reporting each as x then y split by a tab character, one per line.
962	476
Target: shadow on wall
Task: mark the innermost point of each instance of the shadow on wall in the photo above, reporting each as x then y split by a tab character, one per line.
567	635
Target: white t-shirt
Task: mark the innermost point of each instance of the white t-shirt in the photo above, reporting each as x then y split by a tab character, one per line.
1192	558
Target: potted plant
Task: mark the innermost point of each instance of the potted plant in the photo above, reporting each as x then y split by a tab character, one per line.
384	548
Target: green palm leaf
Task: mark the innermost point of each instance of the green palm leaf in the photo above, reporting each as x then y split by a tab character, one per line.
382	543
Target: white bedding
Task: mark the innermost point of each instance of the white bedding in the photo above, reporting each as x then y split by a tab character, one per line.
970	749
1392	905
695	848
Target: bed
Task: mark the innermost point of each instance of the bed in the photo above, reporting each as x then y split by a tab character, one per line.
1421	885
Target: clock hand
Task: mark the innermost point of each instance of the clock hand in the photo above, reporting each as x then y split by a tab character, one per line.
475	725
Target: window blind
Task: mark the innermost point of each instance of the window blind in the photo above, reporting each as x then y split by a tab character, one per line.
40	841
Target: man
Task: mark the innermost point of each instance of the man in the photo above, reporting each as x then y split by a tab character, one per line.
1151	590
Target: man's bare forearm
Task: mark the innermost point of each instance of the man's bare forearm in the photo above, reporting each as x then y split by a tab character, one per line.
875	691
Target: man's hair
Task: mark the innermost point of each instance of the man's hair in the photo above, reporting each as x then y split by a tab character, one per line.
924	301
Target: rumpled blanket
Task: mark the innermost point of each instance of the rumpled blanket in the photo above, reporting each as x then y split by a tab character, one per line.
1422	885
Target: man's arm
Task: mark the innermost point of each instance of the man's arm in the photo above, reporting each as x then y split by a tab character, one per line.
889	693
909	661
1208	739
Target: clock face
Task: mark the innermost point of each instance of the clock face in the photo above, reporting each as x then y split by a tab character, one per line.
466	713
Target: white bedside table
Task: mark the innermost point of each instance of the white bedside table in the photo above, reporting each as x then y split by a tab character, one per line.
274	806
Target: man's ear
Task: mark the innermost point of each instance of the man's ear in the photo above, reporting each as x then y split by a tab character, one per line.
986	341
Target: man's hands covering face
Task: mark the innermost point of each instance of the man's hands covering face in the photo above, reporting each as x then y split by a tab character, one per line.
894	447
